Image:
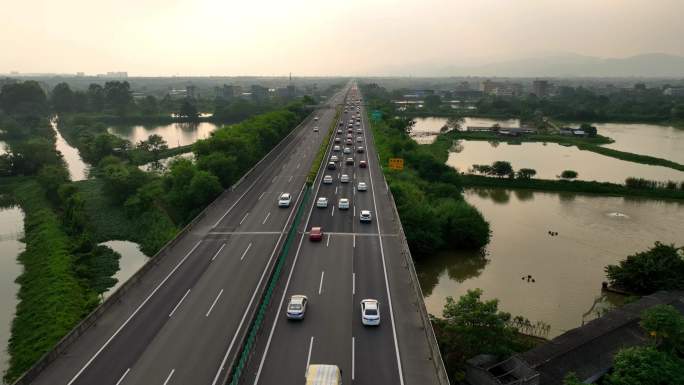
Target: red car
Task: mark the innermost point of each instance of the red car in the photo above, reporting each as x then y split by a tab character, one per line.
316	234
363	164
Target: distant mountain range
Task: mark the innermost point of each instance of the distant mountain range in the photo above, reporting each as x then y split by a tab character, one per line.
564	65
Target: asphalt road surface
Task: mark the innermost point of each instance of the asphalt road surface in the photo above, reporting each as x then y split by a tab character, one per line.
352	262
182	322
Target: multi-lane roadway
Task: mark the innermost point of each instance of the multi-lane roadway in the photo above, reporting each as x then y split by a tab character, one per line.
353	261
182	322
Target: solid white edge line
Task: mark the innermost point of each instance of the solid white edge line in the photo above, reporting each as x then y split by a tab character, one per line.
214	303
245	252
353	343
263	274
384	270
179	303
353	283
123	376
219	250
320	285
169	377
308	356
289	276
123	325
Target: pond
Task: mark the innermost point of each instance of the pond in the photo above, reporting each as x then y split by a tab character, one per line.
425	130
164	163
11	245
566	271
550	159
647	139
175	134
132	259
78	169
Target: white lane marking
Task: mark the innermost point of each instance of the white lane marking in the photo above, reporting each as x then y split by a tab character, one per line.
123	325
328	241
353	343
243	218
332	213
256	288
262	195
124	376
287	283
354	210
384	270
214	303
169	377
320	285
335	190
265	219
219	250
353	283
298	164
179	303
308	356
245	252
354	244
274	179
290	180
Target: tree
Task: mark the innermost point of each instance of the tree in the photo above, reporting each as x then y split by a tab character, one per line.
26	98
526	173
188	111
571	379
154	144
502	168
432	102
149	106
62	98
96	97
589	129
51	177
659	268
664	325
117	96
568	174
645	366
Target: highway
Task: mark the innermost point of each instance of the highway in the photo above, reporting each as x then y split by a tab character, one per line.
352	262
182	322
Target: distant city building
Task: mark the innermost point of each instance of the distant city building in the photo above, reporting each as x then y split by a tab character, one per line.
288	92
228	92
80	74
541	88
190	91
489	87
114	75
259	93
674	91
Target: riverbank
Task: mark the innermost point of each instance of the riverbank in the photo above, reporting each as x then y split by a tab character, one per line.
52	299
575	186
584	143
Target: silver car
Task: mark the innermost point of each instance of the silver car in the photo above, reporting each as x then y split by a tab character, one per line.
296	307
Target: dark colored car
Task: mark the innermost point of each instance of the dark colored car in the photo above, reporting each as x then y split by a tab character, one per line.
316	234
363	164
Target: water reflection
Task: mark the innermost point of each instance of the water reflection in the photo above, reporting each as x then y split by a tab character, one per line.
11	245
132	259
565	270
175	134
647	139
425	130
550	160
78	169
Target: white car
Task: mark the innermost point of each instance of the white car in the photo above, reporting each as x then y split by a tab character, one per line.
315	118
343	204
370	312
360	149
284	200
316	129
344	178
296	307
362	186
322	202
347	150
336	148
359	131
334	158
327	179
365	216
359	139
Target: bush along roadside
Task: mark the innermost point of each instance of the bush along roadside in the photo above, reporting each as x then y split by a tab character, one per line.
320	156
427	192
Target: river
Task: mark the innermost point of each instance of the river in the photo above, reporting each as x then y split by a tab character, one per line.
646	139
11	233
175	134
566	270
425	130
78	169
550	159
132	259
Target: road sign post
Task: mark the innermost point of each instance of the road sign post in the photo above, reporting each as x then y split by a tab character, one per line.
396	163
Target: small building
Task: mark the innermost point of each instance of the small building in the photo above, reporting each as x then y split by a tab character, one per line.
674	91
587	351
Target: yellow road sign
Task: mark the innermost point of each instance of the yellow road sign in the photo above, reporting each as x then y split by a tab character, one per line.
396	163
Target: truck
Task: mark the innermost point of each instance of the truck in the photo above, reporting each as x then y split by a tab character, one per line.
323	375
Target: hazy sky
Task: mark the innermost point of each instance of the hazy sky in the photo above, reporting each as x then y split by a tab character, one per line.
321	37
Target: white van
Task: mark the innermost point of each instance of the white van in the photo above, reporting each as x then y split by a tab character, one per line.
323	375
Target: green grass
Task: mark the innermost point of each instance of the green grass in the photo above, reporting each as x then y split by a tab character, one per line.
151	230
578	186
51	299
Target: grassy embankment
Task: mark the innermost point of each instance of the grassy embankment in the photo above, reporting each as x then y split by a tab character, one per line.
320	156
52	299
587	144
